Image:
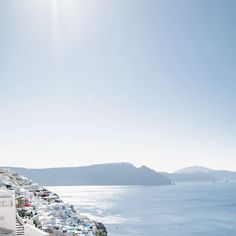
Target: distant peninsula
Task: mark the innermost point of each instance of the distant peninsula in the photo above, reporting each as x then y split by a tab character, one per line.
200	174
102	174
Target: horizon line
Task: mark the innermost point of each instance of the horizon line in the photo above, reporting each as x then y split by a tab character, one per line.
113	163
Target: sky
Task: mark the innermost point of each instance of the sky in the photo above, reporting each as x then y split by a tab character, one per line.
150	82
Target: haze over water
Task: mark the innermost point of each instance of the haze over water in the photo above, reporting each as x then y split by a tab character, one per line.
184	209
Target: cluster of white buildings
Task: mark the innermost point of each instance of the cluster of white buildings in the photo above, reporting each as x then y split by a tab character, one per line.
28	209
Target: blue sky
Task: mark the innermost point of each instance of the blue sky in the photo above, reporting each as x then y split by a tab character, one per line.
148	82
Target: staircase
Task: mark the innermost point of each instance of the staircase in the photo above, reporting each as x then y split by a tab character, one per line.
19	228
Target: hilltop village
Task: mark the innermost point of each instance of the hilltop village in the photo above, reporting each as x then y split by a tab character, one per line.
28	209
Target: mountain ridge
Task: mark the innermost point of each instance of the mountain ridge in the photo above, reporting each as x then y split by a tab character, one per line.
200	173
101	174
121	173
194	169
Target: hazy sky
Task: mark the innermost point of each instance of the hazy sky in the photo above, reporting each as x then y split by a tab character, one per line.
143	81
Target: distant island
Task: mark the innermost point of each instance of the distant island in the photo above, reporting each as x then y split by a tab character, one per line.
200	174
102	174
121	174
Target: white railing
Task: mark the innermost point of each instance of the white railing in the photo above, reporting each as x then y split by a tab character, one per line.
20	220
31	230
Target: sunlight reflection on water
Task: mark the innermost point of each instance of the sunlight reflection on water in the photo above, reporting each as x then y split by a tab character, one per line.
93	201
189	209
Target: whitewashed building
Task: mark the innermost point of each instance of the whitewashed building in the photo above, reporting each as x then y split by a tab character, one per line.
7	210
9	223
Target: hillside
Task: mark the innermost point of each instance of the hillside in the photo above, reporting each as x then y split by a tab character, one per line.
189	177
103	174
194	169
200	173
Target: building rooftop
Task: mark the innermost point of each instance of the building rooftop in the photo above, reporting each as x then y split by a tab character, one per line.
5	193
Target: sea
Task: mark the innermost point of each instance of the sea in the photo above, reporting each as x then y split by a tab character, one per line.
189	209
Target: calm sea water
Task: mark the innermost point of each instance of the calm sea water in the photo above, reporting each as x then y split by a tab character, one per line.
182	209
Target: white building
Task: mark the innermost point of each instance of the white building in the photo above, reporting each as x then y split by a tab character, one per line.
7	210
8	217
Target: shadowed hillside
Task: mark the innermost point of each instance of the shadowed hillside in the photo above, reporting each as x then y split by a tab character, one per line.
103	174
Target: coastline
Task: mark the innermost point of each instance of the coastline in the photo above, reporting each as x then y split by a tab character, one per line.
39	208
